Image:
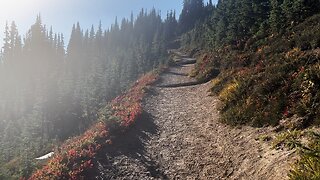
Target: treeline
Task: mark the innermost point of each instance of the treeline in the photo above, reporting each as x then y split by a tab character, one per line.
256	48
232	22
49	93
263	57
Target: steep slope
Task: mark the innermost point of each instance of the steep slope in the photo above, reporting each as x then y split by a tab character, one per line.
270	79
180	137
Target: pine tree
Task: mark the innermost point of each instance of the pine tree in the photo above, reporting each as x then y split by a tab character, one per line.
222	23
6	43
276	17
191	13
13	35
57	94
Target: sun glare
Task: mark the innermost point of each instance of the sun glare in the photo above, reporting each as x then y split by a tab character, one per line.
18	9
14	6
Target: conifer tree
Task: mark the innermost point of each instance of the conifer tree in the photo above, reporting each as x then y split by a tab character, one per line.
276	16
6	43
57	92
191	13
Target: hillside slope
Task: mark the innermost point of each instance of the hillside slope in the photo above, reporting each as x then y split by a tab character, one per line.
272	80
179	137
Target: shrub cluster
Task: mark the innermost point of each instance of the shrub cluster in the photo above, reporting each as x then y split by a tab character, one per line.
274	77
75	156
128	106
267	92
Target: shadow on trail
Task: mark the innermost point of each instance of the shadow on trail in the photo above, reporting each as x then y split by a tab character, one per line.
177	85
175	73
192	82
185	61
130	145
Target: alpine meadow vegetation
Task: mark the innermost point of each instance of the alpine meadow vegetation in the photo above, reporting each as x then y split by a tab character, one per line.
74	157
264	57
50	93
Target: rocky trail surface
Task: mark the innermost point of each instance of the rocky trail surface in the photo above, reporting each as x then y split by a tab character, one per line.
180	137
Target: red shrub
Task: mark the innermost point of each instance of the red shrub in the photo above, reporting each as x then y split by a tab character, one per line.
75	155
128	107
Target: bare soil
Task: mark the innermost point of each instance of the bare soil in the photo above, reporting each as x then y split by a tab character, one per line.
180	137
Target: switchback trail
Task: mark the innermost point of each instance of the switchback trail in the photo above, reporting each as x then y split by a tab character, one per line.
180	137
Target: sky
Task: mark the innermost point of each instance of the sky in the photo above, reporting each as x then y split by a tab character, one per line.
62	14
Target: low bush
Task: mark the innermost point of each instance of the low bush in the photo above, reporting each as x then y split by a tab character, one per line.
273	88
74	157
274	77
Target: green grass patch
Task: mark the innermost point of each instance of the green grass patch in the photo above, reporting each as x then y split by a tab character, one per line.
307	144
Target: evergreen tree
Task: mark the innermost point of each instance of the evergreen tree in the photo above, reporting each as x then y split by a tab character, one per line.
6	45
276	17
191	13
52	93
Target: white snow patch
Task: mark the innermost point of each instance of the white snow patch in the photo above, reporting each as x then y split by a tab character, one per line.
47	156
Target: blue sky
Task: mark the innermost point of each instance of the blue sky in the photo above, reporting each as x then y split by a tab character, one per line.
61	14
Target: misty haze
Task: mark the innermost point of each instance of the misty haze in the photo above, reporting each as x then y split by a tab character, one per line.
189	89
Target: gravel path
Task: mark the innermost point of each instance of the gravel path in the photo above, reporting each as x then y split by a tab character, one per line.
180	137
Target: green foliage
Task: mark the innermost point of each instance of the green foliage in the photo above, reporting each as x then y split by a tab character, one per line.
235	22
308	167
268	58
49	94
308	145
275	77
106	115
276	19
191	13
289	139
75	157
205	70
264	138
258	98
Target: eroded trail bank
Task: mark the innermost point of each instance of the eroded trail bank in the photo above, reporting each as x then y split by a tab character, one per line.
180	137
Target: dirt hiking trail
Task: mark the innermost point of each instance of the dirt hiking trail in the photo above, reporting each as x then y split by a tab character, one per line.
180	137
